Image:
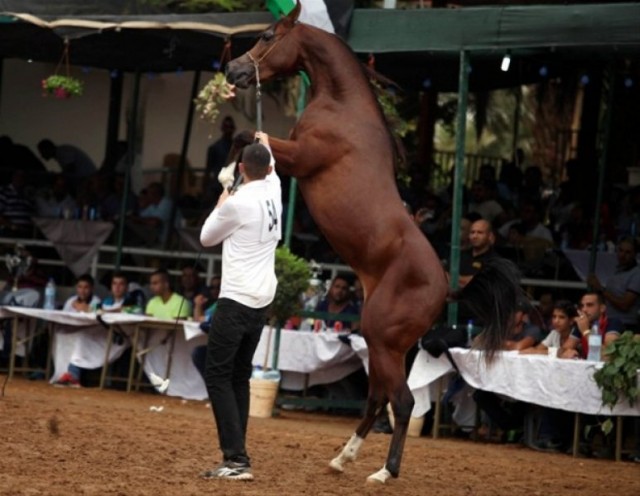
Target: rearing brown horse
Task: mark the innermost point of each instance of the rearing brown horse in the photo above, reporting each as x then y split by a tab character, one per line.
342	154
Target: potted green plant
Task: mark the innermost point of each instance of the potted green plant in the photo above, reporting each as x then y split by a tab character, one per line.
293	275
62	86
618	377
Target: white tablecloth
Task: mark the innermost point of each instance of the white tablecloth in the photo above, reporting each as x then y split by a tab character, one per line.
555	383
81	337
320	355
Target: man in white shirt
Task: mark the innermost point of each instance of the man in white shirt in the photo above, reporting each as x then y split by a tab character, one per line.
248	224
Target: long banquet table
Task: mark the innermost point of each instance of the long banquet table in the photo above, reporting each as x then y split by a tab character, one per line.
562	384
305	358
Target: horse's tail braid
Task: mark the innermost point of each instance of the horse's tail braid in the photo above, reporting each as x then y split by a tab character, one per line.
493	295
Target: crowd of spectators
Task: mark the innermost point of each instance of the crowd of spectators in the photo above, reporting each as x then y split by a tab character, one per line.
513	214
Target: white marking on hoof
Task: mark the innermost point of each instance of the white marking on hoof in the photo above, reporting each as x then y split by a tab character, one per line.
380	477
348	454
336	464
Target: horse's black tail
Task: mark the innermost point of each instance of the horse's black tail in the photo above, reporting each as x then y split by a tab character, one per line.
493	295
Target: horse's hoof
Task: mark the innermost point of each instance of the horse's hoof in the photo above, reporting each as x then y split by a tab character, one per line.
336	465
380	477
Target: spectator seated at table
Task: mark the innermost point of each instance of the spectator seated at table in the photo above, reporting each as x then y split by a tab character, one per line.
83	301
593	310
190	283
530	214
483	202
111	206
524	334
16	208
124	297
555	431
338	301
621	290
99	197
56	202
165	304
150	227
543	312
529	250
506	414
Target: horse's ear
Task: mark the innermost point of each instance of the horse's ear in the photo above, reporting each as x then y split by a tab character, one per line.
293	15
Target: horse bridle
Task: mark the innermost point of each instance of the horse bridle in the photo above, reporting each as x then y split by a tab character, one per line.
256	67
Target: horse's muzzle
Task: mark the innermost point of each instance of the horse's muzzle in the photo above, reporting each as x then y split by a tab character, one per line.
240	73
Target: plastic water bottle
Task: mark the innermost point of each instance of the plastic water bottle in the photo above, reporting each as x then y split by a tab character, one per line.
258	373
272	375
50	295
469	333
595	344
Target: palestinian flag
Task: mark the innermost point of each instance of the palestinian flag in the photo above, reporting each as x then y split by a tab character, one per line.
333	16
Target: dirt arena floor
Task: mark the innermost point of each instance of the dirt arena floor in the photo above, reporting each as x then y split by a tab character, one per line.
89	442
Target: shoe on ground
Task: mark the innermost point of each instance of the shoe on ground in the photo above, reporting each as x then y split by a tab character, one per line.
67	380
231	471
547	445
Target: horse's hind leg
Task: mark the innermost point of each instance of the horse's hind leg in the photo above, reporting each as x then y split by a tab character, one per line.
393	380
376	401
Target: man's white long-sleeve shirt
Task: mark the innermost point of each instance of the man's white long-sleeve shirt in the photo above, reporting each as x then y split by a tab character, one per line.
249	226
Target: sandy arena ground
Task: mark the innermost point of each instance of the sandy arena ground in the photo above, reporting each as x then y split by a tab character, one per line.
89	442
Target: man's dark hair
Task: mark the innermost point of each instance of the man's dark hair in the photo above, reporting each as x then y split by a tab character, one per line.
162	273
567	307
119	275
343	277
256	159
86	278
598	294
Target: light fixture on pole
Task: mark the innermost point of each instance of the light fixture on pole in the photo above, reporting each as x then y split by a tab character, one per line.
506	62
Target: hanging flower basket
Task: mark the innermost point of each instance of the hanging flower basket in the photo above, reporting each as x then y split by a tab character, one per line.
62	86
216	92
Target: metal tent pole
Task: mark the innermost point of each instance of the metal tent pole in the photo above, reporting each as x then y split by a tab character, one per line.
182	163
131	138
604	128
293	188
458	180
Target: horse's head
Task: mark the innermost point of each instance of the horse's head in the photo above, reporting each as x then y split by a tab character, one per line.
275	53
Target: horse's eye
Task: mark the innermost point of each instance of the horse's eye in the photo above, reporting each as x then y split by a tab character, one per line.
267	36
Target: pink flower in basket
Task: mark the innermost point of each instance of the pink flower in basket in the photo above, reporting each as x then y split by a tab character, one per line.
62	87
61	93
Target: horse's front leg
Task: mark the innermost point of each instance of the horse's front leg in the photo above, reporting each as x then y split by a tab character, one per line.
376	401
285	152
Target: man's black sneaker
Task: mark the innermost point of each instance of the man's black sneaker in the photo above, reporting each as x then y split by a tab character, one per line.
230	470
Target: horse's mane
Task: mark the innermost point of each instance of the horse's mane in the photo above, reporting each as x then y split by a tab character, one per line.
371	76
